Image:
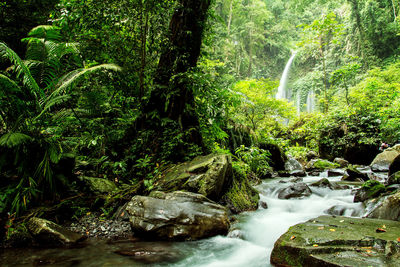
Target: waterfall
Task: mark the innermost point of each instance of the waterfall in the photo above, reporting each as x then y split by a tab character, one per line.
310	102
282	94
298	102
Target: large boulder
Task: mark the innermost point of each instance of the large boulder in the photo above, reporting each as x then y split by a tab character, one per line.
341	161
339	241
383	160
209	175
369	190
325	183
295	190
176	216
99	185
277	157
354	175
388	208
294	168
48	233
394	166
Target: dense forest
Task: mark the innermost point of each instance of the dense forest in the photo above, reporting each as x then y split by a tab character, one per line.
100	100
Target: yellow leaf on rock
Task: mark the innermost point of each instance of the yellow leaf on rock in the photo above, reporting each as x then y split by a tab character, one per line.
315	245
332	230
321	228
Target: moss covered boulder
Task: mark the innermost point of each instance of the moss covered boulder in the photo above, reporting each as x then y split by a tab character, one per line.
320	165
99	185
369	190
47	233
241	196
339	241
354	175
394	178
176	216
208	175
395	165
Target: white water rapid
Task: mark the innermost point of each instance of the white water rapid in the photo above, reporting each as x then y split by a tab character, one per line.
282	93
259	230
248	245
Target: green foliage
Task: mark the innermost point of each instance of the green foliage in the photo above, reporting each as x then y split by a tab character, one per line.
256	158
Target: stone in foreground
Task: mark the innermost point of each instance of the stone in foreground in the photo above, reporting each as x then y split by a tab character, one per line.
49	234
177	216
339	241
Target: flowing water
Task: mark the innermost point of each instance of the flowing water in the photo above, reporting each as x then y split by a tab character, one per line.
258	231
282	93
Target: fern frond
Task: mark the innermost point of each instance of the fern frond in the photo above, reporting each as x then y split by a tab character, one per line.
14	139
74	76
52	101
28	80
48	32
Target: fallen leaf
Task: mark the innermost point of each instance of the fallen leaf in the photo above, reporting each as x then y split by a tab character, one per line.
384	226
398	239
292	237
341	220
380	230
321	228
332	230
315	245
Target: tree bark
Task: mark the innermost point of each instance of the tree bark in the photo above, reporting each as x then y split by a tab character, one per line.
173	98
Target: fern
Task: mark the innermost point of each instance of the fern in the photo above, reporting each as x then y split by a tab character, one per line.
28	80
14	139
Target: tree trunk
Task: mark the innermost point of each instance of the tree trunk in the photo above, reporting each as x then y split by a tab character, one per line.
173	98
357	16
144	21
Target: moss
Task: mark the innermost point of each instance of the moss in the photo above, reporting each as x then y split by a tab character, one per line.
373	188
241	196
324	164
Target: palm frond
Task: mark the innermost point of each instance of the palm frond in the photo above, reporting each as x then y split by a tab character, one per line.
52	101
28	80
48	32
74	76
14	139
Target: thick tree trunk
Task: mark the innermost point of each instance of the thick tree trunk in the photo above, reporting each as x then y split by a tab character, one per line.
173	98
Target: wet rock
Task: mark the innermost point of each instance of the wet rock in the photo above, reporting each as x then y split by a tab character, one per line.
99	185
383	160
152	253
177	216
394	166
342	162
336	172
283	174
354	175
339	210
338	241
296	180
207	175
388	208
326	183
314	173
236	233
298	173
293	165
311	155
48	233
394	178
294	191
263	205
369	190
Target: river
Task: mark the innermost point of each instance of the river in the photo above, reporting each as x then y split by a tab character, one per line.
258	231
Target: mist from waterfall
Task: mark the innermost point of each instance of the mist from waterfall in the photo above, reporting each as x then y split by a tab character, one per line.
282	93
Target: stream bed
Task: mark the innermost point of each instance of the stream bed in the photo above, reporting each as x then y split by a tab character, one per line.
257	230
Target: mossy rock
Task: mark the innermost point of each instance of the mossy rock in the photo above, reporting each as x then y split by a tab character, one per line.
339	241
99	185
241	196
369	190
207	175
321	164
